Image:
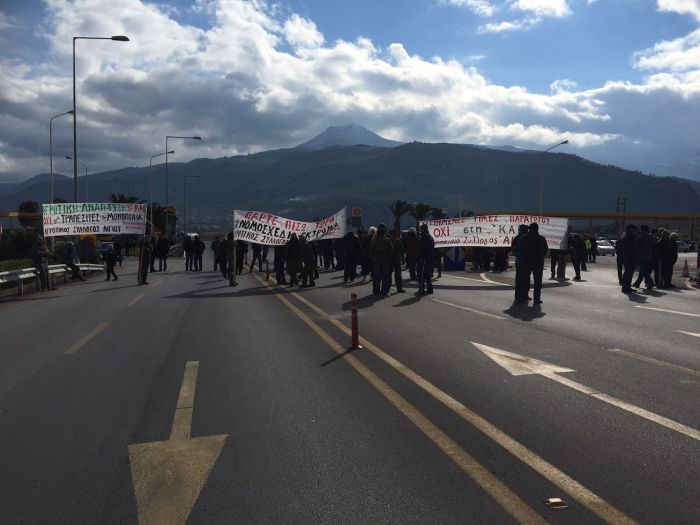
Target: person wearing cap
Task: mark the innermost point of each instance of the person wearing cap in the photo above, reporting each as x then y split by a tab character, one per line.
533	251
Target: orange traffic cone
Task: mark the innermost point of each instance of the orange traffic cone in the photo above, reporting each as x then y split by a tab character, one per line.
686	271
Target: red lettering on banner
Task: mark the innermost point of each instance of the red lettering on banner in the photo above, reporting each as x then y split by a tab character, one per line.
443	231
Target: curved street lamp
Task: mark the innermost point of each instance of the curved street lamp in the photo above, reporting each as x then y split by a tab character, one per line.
118	38
150	177
87	187
69	112
167	137
542	170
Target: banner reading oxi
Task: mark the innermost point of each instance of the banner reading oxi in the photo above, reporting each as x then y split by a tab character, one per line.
495	230
86	218
273	230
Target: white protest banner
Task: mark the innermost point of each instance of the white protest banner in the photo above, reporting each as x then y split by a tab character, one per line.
494	230
85	218
273	230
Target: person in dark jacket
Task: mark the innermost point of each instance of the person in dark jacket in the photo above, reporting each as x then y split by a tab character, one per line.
339	250
241	250
578	255
411	246
521	286
110	262
426	248
118	251
396	261
351	247
215	250
162	249
188	248
293	250
645	254
533	252
228	246
40	258
308	258
628	252
279	252
69	260
668	255
198	248
381	252
365	262
257	256
144	260
619	260
153	253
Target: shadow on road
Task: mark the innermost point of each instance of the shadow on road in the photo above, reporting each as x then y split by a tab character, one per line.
339	356
525	312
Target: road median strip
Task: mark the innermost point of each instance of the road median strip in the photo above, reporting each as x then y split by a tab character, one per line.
80	343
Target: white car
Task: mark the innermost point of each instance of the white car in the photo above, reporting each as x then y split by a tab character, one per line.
605	248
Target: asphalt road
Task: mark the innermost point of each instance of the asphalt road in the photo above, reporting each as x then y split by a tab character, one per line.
190	401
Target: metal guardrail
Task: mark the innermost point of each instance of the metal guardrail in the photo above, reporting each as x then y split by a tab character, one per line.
19	276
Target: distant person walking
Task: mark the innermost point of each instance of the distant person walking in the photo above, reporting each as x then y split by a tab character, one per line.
145	260
188	248
426	249
533	251
162	249
110	263
351	246
257	256
380	253
308	258
118	250
215	250
199	248
645	253
628	251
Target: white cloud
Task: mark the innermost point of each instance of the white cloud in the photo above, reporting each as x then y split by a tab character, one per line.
237	86
506	26
543	8
479	7
685	7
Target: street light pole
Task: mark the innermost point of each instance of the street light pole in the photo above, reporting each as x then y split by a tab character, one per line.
184	199
69	112
167	137
150	173
542	171
87	187
118	38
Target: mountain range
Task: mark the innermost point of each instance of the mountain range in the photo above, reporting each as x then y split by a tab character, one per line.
338	168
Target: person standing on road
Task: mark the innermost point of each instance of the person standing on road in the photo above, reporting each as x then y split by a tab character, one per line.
257	256
533	251
553	260
397	247
162	249
110	263
199	248
645	253
215	250
279	264
118	250
520	285
619	260
668	255
69	260
188	248
365	262
411	244
628	250
241	250
308	259
228	246
153	253
426	247
351	247
40	258
380	253
579	252
145	259
293	250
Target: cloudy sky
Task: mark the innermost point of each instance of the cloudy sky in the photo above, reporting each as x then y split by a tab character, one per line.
620	79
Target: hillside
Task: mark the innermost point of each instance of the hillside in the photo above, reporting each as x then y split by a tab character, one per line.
308	183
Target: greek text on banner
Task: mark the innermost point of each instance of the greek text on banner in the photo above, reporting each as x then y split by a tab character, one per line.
495	230
85	218
273	230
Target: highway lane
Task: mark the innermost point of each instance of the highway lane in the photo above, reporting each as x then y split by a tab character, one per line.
309	437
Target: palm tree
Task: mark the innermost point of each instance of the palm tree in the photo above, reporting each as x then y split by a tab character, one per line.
123	198
398	209
420	212
436	213
466	213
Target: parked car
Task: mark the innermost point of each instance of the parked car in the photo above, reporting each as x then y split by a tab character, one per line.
683	247
605	247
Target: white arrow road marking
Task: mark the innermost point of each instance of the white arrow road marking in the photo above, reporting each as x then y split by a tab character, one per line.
519	365
168	476
688	333
668	311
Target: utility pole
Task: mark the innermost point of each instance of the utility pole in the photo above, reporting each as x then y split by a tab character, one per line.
621	208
